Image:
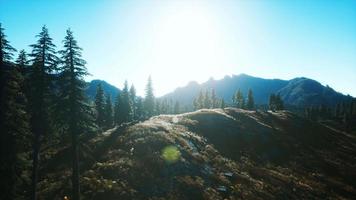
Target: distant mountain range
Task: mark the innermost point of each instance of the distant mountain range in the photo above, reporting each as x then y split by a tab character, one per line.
295	92
108	89
298	92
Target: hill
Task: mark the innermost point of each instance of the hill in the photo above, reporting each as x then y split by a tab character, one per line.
295	92
209	154
108	89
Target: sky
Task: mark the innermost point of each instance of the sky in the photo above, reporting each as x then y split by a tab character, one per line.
192	40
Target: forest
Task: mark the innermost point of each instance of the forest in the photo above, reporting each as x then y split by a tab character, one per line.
43	102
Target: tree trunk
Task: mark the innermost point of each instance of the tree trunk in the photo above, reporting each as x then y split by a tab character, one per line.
36	149
75	170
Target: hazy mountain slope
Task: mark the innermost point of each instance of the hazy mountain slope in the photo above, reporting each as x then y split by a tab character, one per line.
108	89
304	91
296	92
210	154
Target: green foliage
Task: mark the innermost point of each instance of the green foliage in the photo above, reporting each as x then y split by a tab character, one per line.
124	109
238	99
75	111
275	102
6	50
250	101
14	133
108	111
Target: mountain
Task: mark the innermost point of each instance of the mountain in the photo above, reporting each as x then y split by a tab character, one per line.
209	154
108	89
295	92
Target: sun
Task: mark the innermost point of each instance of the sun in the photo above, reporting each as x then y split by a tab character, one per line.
186	43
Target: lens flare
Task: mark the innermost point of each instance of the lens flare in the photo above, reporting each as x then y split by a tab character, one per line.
171	154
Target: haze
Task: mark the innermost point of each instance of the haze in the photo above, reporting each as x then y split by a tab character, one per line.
179	41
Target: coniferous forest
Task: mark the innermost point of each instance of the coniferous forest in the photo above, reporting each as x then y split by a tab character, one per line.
239	137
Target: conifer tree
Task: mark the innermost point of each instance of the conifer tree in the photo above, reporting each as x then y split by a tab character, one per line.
116	110
14	128
214	100
272	104
139	109
240	101
108	112
76	112
222	104
44	64
124	105
207	100
250	101
149	103
22	62
6	50
99	105
133	100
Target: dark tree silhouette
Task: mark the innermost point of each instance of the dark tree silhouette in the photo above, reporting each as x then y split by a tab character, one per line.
6	50
75	112
250	101
44	64
14	128
22	62
124	105
108	112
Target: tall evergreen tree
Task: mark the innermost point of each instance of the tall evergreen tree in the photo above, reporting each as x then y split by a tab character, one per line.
116	110
240	101
222	103
108	112
22	62
149	103
75	112
139	109
6	50
44	64
250	101
124	106
214	100
99	105
14	127
207	100
133	100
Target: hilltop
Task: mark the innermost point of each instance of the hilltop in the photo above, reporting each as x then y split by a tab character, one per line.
209	154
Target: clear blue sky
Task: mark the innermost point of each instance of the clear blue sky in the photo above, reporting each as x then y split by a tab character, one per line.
184	40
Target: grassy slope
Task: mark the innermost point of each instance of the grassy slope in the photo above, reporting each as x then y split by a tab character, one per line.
227	153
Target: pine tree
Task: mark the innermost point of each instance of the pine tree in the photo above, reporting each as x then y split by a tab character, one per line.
6	50
240	101
214	100
272	104
133	100
250	101
139	109
116	110
44	64
149	103
75	110
108	112
124	105
207	100
14	128
222	104
99	106
22	62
